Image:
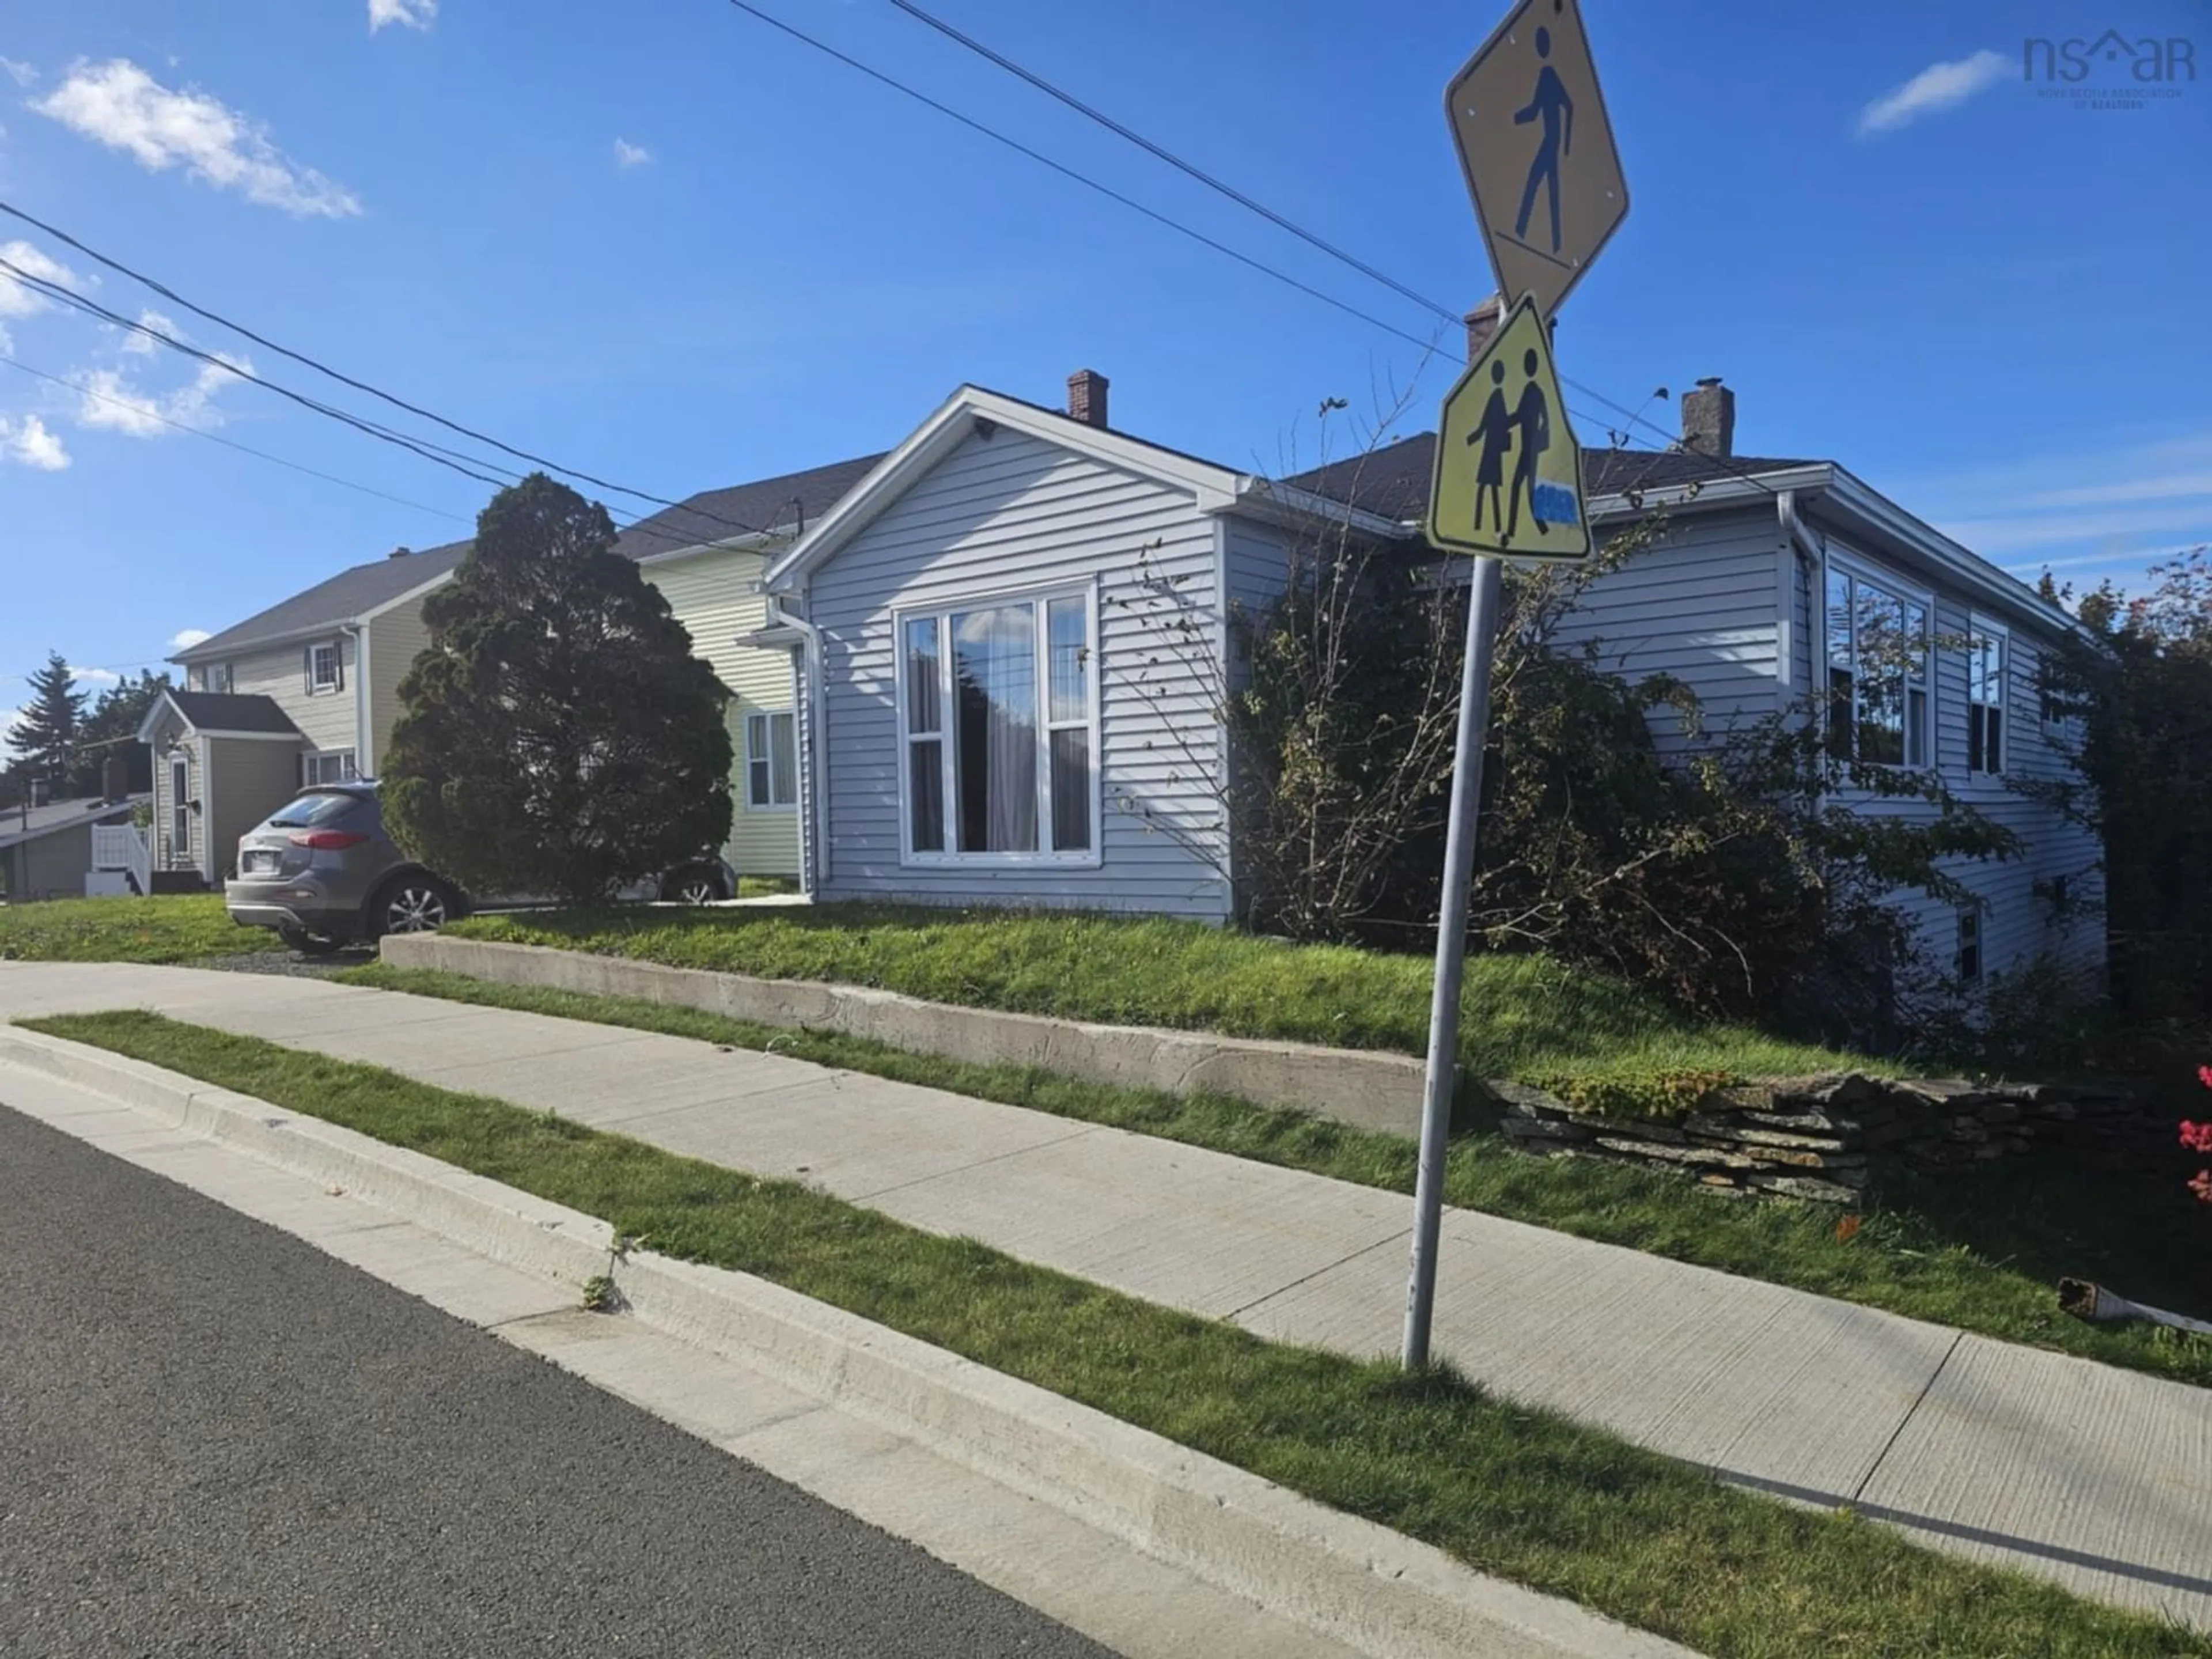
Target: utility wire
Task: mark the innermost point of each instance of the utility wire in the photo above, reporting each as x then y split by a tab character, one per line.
1191	169
344	379
1084	179
227	443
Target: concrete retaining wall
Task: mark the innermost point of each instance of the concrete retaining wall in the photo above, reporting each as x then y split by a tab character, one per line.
1366	1090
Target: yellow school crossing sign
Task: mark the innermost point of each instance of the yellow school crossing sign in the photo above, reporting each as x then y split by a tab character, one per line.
1509	473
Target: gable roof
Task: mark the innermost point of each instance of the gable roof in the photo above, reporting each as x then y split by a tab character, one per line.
344	597
1393	481
973	408
786	505
220	712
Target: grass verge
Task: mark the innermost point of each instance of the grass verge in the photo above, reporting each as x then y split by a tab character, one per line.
167	928
1982	1254
1522	1015
1518	1493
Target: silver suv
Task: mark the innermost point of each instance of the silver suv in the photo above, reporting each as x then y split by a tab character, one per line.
321	871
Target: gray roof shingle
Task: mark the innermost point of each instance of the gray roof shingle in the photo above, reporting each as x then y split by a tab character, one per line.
340	599
1393	481
788	502
222	711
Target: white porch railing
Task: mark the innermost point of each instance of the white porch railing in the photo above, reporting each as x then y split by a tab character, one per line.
123	846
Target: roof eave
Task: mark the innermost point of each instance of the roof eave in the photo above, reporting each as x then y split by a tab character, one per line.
1216	487
1867	509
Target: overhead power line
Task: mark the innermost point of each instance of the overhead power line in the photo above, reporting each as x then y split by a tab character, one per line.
1634	417
227	443
344	379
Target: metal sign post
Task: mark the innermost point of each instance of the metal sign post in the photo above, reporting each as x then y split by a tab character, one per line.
1485	595
1538	151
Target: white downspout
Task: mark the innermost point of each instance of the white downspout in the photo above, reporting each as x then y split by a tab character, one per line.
812	829
364	738
1798	553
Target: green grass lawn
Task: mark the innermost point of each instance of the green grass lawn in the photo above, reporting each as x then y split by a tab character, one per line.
1521	1016
169	928
1981	1252
1519	1492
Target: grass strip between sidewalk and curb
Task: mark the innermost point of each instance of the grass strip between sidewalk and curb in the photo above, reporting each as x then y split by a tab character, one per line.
1980	1253
1518	1493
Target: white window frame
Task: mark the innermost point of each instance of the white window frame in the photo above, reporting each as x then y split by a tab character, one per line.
218	677
180	812
761	752
1973	936
1980	630
1865	570
311	771
316	685
941	612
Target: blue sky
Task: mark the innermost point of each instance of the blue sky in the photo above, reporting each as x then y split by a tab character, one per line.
669	245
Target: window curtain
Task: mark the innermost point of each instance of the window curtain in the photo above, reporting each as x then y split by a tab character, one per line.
994	670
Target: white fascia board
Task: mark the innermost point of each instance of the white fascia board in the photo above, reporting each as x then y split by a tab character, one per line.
1712	493
1284	504
750	541
1215	488
398	599
161	710
1863	509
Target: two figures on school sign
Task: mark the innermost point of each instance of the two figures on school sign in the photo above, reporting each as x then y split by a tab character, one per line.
1538	151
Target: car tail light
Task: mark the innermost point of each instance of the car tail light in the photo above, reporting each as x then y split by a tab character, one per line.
328	840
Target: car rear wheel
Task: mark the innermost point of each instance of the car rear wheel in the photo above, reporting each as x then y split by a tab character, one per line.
411	904
698	884
306	943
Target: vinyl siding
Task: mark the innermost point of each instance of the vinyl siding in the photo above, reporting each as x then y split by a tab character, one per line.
1701	605
1012	512
395	640
167	856
50	866
331	720
2018	925
712	596
251	778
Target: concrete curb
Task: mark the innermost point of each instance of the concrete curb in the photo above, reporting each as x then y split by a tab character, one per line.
1360	1584
1366	1088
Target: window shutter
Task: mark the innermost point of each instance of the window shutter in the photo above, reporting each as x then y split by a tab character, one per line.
307	668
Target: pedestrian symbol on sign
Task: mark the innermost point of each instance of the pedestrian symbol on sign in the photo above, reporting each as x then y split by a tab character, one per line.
1509	472
1537	148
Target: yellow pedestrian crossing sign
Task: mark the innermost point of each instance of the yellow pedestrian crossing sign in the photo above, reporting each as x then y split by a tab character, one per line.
1509	473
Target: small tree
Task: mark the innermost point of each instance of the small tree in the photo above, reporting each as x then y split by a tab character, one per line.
51	726
559	735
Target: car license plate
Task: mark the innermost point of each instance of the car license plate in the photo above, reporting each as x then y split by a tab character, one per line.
258	864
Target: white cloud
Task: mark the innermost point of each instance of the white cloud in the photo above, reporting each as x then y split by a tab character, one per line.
410	14
1937	86
145	345
15	69
28	443
121	106
186	638
110	402
628	154
95	675
15	298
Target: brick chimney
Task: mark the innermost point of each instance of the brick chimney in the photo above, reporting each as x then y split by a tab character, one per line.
1086	397
1709	418
1481	323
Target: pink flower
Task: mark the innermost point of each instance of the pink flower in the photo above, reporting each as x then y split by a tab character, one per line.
2202	1186
2204	1076
2197	1136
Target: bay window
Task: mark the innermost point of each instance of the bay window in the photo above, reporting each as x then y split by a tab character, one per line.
1878	670
998	731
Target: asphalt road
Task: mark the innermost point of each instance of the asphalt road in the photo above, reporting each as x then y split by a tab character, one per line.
214	1439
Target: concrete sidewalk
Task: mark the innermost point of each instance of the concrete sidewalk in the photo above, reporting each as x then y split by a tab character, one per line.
2098	1479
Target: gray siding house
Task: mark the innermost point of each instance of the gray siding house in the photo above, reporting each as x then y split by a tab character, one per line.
1010	647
